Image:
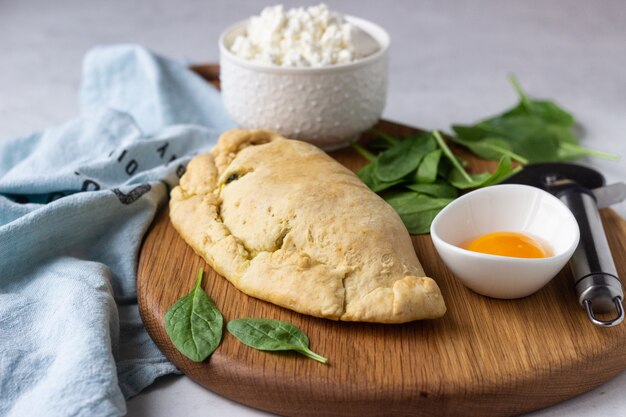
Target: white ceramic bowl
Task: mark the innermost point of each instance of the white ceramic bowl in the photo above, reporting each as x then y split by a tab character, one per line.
327	106
505	208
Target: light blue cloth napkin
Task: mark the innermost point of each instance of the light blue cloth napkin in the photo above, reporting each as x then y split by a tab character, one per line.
75	202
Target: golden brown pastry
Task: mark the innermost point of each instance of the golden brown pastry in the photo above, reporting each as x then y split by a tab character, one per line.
286	223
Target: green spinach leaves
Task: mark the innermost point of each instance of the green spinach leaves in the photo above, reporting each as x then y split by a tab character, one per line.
532	131
418	176
401	159
273	335
194	324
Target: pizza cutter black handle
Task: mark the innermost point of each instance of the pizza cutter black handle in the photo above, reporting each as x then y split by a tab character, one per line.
595	276
598	287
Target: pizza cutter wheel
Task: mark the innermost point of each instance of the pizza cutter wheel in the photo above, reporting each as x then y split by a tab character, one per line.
583	191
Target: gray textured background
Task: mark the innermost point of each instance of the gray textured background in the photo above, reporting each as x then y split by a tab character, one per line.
449	63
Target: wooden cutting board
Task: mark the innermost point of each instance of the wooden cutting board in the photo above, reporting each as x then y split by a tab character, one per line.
486	357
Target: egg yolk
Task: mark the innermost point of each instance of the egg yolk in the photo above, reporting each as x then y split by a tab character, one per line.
516	245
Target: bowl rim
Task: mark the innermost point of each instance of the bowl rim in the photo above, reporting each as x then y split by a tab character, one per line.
567	253
379	34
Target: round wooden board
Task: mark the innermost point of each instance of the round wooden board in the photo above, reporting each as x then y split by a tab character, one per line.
486	357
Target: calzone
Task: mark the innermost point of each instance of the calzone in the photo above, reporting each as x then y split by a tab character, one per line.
286	223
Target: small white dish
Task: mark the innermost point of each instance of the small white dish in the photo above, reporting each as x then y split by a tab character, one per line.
505	208
327	106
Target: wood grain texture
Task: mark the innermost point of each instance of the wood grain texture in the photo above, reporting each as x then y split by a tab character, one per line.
485	357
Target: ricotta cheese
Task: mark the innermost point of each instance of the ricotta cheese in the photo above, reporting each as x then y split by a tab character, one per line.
299	37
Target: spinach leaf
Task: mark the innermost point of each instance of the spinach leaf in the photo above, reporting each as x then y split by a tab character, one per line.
542	147
444	168
568	151
532	131
527	137
366	174
273	335
502	172
428	195
490	148
416	210
427	170
437	189
364	152
472	133
418	223
448	153
194	324
412	202
460	179
546	110
403	158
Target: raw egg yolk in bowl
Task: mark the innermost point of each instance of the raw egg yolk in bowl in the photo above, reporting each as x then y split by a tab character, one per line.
515	245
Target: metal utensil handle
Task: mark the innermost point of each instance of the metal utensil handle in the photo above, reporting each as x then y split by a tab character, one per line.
597	283
606	323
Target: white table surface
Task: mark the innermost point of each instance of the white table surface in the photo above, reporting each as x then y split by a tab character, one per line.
449	63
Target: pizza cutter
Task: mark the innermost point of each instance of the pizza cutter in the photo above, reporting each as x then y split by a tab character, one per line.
583	191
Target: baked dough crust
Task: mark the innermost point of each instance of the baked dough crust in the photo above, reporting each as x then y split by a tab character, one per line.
286	223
